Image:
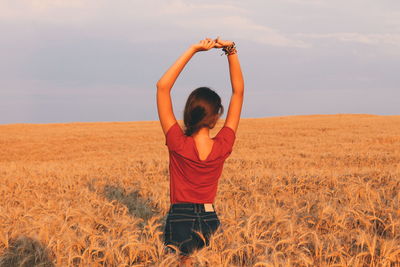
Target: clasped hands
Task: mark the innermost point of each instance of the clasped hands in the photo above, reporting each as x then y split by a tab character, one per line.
209	43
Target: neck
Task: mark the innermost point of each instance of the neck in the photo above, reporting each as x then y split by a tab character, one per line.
203	132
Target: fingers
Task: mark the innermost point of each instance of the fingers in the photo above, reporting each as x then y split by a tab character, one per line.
223	42
208	43
217	45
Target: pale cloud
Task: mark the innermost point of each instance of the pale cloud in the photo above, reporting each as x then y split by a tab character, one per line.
239	27
309	2
184	7
227	20
40	9
49	4
188	19
392	20
369	39
222	18
82	11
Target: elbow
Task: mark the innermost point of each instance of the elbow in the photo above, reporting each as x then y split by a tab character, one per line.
158	84
161	85
162	88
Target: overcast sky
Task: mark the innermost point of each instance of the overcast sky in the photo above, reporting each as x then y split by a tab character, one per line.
76	60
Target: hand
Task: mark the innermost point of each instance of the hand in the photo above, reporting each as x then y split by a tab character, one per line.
204	45
221	43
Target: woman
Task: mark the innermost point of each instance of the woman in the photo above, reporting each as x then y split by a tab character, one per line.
196	159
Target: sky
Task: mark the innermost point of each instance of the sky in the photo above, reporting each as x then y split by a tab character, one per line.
98	60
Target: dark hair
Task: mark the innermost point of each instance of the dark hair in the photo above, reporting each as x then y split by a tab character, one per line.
203	108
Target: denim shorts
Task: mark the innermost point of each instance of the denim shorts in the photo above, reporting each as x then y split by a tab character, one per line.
189	227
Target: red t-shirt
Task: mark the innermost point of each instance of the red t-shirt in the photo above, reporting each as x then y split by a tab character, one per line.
192	179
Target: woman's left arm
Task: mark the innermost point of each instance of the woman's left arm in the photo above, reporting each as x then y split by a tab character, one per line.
164	85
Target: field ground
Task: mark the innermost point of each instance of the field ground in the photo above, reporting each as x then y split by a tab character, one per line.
317	190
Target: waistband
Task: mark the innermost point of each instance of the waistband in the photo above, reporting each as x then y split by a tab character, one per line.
195	207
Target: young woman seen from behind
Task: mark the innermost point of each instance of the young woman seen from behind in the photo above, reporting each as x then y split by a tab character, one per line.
196	159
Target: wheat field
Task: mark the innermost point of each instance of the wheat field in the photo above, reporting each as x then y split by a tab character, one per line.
319	190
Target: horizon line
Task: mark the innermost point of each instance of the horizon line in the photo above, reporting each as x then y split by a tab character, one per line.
242	118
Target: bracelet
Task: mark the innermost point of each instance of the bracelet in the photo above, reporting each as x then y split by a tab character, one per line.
230	50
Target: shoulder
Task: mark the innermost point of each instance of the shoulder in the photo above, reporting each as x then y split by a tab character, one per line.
174	129
226	133
174	137
225	139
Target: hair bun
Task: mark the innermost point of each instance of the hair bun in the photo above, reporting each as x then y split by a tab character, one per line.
203	108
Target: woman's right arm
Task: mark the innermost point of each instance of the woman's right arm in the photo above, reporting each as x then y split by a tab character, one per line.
164	85
236	76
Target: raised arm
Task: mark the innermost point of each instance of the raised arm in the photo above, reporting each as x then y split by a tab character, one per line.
236	76
164	85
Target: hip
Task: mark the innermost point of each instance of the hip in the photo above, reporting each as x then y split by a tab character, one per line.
193	214
189	226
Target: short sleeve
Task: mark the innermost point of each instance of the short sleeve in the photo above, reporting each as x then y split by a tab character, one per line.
174	138
227	137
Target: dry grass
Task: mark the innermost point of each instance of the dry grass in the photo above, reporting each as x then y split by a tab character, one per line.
297	191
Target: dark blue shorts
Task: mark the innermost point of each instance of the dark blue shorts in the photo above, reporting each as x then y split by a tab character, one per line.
189	227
